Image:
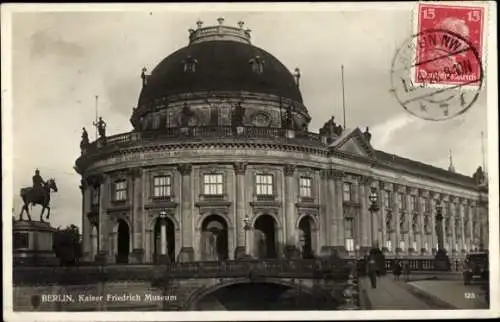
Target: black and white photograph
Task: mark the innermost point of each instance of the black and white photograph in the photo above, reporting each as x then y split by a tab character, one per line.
252	161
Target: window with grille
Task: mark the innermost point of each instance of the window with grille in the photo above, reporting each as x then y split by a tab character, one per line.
162	186
213	184
387	199
413	203
348	191
264	185
120	190
427	203
305	187
402	200
349	234
95	196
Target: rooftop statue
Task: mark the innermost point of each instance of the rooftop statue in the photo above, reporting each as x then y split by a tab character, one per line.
84	143
479	176
331	128
101	127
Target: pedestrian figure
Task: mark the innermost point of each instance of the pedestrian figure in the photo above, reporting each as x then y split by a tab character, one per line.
407	270
372	271
396	269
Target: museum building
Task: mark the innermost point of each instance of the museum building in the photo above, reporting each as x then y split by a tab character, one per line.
220	165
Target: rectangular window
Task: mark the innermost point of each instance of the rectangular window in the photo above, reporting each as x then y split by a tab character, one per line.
212	184
120	190
94	196
349	228
413	203
402	200
427	203
387	199
305	187
264	185
162	186
347	191
388	245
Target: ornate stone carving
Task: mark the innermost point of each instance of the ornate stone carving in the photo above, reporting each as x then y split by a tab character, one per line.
381	185
408	190
95	180
185	168
366	180
83	184
335	174
421	192
240	167
135	172
289	169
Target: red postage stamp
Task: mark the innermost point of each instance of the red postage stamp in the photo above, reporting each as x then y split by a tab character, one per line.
450	53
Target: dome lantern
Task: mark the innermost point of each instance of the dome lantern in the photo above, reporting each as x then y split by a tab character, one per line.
220	32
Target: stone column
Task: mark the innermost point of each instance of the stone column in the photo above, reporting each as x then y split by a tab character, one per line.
86	225
434	241
338	208
104	247
187	222
381	219
93	242
409	219
365	215
137	255
462	227
453	219
421	213
239	171
471	224
163	237
291	250
397	215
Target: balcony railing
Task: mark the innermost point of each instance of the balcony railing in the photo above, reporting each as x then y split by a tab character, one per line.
201	133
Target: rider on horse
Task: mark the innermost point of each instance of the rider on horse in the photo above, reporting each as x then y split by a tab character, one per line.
38	182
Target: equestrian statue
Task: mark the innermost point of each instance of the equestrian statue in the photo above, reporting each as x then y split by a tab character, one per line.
39	194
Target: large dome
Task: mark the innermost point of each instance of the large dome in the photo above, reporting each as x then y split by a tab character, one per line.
220	65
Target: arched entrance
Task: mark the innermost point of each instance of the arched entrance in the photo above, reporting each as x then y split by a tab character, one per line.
214	239
305	237
123	241
265	237
170	239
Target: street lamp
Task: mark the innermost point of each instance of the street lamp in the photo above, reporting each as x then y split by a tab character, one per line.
373	208
441	261
247	227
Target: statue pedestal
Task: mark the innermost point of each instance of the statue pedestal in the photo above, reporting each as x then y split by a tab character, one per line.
441	261
32	243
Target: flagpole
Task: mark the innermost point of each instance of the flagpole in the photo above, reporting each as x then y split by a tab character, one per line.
343	94
482	151
96	113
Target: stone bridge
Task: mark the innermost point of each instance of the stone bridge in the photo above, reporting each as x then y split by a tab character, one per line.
231	285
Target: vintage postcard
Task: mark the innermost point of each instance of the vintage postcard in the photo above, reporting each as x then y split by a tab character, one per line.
233	162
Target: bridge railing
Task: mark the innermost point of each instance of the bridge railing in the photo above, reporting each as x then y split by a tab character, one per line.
267	268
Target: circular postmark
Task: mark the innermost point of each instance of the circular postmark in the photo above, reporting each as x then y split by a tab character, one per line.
436	75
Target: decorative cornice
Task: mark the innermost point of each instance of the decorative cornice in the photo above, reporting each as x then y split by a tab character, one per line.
93	217
289	169
265	204
240	168
304	205
185	168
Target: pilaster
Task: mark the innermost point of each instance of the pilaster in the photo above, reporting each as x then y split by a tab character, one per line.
137	254
291	249
240	171
86	225
187	222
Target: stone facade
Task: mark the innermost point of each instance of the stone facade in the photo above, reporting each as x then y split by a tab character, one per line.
220	174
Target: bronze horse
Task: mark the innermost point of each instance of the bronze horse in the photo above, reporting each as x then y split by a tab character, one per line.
37	197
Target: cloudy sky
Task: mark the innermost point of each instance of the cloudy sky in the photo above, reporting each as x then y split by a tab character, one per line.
62	60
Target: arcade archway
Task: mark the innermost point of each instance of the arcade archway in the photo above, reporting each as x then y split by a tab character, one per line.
265	237
305	237
123	242
169	239
214	239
